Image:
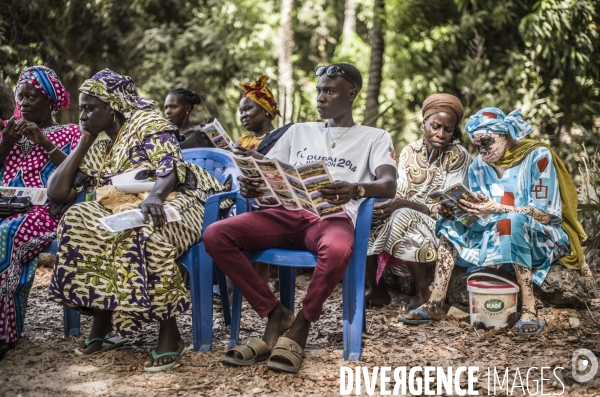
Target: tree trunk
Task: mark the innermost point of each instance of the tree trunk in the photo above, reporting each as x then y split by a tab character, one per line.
7	100
349	20
376	66
286	47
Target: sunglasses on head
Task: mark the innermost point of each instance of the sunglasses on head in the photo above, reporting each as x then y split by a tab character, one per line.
332	71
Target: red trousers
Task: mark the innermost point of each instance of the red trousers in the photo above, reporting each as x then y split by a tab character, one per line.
332	239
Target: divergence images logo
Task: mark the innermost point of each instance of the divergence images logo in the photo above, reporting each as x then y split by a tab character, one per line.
584	365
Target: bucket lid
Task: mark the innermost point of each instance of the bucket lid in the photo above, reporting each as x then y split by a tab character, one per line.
488	284
490	281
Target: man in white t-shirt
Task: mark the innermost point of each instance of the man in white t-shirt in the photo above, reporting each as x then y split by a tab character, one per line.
362	163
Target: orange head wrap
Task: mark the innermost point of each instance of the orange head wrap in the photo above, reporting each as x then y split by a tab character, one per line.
260	93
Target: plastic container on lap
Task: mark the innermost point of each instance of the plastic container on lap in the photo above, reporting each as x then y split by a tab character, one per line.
492	299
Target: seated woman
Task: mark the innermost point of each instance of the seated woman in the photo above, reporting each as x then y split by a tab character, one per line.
130	279
258	109
404	236
179	103
527	203
32	144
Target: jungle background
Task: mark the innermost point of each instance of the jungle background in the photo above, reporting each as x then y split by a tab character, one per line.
542	56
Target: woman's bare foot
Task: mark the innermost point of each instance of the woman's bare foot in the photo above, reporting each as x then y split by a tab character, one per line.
280	320
421	298
169	340
528	315
101	326
434	309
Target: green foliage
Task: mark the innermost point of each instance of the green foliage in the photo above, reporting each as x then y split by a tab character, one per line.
542	56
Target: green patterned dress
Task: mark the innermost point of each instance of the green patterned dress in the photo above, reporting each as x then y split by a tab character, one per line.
132	273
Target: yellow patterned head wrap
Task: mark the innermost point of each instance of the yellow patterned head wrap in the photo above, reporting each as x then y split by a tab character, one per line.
260	93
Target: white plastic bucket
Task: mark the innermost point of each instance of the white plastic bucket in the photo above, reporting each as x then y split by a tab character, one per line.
491	299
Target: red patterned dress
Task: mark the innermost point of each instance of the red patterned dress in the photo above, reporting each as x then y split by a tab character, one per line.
23	236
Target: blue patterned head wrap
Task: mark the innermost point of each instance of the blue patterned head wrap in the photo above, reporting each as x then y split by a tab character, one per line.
45	81
494	121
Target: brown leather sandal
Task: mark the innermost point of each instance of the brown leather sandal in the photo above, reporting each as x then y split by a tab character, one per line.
253	351
286	356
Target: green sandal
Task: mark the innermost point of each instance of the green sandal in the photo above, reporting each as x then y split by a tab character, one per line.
168	366
107	344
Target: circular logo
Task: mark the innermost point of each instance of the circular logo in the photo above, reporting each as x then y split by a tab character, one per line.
494	305
584	365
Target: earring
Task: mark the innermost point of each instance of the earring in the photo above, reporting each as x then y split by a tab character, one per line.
187	112
267	114
114	117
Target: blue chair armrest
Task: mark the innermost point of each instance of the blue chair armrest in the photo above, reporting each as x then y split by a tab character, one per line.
211	208
364	217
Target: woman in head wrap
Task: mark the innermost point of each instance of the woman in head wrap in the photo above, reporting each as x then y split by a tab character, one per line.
129	279
257	111
404	237
32	144
179	103
527	203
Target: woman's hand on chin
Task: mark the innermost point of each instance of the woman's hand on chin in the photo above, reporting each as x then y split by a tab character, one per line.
153	206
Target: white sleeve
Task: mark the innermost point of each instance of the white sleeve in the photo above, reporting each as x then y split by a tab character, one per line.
382	152
282	148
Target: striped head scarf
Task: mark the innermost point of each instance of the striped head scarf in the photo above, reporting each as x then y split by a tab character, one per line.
116	90
47	82
494	121
260	93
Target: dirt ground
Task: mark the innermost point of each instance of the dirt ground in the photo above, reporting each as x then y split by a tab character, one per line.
43	363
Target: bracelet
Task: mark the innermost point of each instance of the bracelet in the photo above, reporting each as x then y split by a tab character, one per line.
53	150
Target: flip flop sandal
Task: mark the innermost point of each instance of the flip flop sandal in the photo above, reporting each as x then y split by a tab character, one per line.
520	324
107	344
286	356
168	366
426	319
253	351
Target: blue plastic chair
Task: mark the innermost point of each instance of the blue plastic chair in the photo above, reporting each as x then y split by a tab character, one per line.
218	163
288	260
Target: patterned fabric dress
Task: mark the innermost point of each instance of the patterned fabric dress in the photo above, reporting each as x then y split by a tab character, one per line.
132	273
23	236
409	235
504	239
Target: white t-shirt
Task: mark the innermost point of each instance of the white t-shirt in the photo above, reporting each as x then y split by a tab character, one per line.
357	153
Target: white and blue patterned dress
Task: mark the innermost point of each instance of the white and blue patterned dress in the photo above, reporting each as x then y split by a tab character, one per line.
504	239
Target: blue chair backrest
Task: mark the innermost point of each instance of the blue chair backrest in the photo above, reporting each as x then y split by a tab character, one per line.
217	162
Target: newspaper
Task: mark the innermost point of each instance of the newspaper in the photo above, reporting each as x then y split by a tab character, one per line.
450	197
294	188
134	218
218	136
38	195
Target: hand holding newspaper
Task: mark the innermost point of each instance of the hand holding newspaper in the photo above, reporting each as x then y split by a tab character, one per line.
134	218
219	138
450	197
294	188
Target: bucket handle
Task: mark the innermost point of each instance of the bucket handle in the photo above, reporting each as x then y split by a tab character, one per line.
496	277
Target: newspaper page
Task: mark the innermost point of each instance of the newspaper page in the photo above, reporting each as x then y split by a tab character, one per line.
218	136
450	197
38	195
292	187
134	218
